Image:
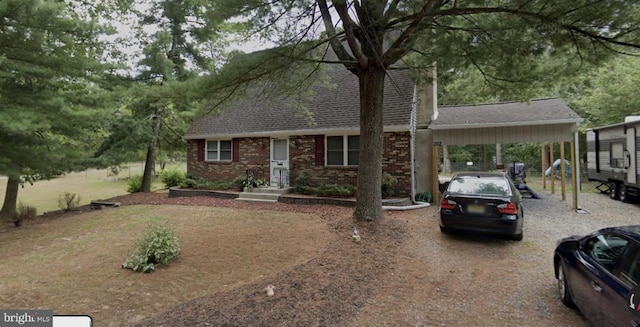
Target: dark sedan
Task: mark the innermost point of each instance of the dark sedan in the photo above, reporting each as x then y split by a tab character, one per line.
485	202
597	274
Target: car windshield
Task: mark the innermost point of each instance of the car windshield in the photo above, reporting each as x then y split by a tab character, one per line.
480	185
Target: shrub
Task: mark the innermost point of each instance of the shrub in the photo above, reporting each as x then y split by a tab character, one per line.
203	184
339	190
388	183
68	201
24	212
243	181
134	184
303	186
173	177
159	246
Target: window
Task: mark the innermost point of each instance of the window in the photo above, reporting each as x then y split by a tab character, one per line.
605	249
343	150
477	185
630	267
617	155
219	150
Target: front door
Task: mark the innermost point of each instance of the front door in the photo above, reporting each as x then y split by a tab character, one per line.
279	168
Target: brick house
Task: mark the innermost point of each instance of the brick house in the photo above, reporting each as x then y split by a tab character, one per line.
281	145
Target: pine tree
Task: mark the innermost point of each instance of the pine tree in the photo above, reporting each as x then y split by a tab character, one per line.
48	92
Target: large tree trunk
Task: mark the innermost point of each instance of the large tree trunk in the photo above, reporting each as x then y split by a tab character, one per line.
10	198
369	198
149	165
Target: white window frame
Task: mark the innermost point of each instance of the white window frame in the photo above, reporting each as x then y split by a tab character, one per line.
207	150
345	150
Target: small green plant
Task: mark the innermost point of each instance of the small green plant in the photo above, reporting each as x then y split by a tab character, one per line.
249	181
388	183
24	212
68	201
173	177
134	184
159	246
203	184
338	190
303	186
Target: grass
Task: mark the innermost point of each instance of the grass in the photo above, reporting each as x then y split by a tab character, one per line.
92	184
72	264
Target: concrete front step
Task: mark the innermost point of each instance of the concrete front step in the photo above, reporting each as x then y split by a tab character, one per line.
262	197
270	190
256	200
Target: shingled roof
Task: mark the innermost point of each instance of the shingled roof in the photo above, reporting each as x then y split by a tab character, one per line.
334	109
537	112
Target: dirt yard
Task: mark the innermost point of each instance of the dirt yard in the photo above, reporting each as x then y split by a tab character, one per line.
404	272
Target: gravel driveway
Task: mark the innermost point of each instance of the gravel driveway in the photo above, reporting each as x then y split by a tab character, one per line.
462	280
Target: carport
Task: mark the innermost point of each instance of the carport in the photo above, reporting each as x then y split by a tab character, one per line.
539	121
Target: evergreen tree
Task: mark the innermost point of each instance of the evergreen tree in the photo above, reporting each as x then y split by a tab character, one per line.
48	91
157	106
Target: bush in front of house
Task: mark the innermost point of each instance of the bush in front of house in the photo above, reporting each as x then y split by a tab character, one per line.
336	190
248	180
134	184
388	183
173	177
159	246
203	184
303	186
68	201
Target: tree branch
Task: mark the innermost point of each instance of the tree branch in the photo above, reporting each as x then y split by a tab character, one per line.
347	23
397	50
337	47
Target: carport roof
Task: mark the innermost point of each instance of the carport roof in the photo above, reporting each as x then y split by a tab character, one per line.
536	112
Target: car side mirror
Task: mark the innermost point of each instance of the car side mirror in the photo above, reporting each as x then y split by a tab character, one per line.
572	245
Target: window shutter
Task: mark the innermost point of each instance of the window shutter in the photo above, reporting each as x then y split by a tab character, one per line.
236	149
319	150
200	150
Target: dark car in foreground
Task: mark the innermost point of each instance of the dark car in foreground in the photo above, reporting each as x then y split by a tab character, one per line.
597	274
485	202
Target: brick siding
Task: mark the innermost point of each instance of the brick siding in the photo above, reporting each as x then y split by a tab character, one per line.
254	154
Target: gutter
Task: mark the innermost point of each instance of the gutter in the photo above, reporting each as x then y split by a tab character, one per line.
416	204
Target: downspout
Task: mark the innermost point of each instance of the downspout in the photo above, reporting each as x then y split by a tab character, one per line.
412	131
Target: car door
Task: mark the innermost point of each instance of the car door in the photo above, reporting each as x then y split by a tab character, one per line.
595	265
585	296
616	287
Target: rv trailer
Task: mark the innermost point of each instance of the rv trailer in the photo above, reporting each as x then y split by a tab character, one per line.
613	160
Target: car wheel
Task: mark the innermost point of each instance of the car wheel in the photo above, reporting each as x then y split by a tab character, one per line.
444	229
622	193
563	287
517	237
613	190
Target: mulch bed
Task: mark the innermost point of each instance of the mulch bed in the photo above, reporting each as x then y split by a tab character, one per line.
326	290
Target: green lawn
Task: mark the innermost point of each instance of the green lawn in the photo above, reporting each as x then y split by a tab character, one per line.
92	184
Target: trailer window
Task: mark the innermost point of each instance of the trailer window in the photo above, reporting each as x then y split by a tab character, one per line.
617	155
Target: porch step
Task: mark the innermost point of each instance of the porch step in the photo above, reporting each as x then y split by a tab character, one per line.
267	194
272	190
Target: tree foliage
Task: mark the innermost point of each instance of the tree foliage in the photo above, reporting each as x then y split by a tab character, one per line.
50	89
607	94
499	39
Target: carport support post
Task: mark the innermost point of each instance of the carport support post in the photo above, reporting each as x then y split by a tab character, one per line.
574	184
563	183
553	170
435	190
543	150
